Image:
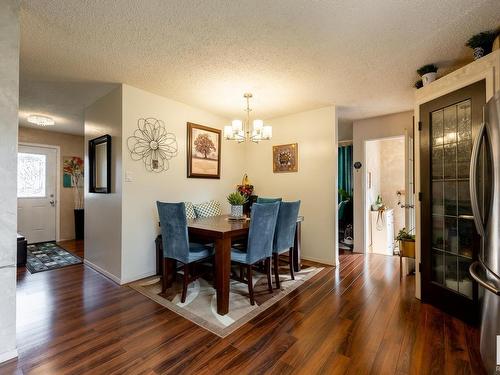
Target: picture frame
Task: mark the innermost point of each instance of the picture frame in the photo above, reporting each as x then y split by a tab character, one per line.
286	158
203	151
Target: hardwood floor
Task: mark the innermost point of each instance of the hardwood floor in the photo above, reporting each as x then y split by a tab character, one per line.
356	319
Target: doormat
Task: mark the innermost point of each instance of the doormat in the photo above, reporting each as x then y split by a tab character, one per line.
47	256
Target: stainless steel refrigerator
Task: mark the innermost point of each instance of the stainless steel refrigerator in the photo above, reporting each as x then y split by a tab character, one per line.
485	199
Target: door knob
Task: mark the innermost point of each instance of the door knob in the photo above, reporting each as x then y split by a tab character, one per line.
52	203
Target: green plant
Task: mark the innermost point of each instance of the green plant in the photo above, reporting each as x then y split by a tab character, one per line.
345	195
419	84
405	235
236	199
484	40
429	68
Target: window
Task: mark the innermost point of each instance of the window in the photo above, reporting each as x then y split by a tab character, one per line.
31	175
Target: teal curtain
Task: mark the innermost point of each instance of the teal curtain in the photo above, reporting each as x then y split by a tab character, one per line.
345	169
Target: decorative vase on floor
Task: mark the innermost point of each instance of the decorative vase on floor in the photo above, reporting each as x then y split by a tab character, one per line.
478	52
79	223
237	211
428	78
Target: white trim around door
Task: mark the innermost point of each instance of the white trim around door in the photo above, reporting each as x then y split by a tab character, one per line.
58	181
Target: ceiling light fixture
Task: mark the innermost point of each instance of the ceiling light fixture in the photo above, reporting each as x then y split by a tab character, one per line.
41	120
240	131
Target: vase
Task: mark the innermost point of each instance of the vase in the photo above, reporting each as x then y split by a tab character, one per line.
237	210
478	52
79	223
428	78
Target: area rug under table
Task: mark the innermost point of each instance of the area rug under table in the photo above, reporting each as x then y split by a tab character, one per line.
201	302
48	256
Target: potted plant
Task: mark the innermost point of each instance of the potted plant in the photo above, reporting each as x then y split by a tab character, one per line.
481	43
406	243
74	167
236	200
428	73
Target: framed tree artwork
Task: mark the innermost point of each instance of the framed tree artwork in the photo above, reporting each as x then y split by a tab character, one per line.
203	151
286	158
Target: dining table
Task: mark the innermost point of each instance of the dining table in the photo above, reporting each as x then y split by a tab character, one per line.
222	231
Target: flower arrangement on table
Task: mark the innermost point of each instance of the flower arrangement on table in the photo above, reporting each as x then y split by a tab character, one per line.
245	188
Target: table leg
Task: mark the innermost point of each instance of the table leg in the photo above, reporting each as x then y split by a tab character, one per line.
223	266
296	248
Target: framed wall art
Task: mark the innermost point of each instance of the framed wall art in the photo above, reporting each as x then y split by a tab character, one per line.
203	151
286	158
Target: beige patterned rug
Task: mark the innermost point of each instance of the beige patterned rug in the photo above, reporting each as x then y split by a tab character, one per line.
201	305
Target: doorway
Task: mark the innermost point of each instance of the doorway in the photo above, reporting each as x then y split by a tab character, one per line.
38	193
388	192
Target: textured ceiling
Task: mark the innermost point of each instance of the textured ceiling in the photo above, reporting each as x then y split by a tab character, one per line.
63	101
293	55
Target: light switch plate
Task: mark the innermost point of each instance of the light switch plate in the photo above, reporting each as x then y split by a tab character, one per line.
128	176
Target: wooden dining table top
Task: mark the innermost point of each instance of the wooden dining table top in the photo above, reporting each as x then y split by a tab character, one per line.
221	226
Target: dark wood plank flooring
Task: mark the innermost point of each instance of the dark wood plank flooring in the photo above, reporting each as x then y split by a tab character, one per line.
356	319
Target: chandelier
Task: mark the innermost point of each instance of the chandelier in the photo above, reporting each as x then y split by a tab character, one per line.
240	131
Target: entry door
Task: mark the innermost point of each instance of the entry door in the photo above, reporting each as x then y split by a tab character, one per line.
450	242
36	192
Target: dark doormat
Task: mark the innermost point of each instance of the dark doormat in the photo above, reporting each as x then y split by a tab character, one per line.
47	256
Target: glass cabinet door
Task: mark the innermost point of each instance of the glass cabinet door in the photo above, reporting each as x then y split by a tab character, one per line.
452	225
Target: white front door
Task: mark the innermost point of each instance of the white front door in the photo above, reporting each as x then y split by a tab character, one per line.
36	193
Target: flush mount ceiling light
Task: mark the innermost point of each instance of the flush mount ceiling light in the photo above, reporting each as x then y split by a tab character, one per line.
240	131
41	120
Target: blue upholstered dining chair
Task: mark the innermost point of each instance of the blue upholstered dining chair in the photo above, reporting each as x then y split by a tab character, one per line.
176	245
284	236
260	242
268	200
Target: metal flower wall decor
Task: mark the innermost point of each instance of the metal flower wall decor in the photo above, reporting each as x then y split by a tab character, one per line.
152	144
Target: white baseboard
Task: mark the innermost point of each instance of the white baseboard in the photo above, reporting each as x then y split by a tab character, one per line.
138	277
7	356
103	272
322	261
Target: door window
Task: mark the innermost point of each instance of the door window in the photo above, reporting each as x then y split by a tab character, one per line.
451	132
31	175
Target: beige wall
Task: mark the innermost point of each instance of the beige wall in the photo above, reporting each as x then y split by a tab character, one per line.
103	212
140	217
392	177
70	145
315	184
364	130
386	163
344	130
9	100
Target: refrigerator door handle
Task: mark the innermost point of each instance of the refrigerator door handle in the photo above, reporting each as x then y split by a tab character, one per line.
472	180
474	272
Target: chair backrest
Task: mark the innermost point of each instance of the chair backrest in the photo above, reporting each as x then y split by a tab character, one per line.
284	233
268	200
174	230
261	232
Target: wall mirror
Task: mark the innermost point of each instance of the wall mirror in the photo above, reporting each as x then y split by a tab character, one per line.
100	165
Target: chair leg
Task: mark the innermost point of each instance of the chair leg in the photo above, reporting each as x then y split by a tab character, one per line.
276	269
250	284
290	262
268	271
241	272
186	283
164	276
